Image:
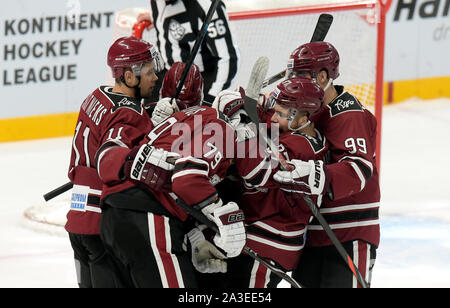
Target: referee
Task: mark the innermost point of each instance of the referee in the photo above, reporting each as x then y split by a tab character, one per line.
178	23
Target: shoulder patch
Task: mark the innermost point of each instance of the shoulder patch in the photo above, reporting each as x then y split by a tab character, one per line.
317	143
122	101
343	103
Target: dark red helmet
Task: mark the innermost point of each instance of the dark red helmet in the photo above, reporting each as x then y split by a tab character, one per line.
314	57
131	52
192	92
300	93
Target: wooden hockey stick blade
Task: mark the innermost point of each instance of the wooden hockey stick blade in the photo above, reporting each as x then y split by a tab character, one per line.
58	191
320	32
257	76
254	86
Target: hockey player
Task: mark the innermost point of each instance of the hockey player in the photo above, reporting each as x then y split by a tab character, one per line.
108	115
275	220
351	199
179	160
177	24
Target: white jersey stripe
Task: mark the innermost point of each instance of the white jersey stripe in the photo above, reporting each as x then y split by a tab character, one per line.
344	208
189	172
274	244
276	231
360	174
346	225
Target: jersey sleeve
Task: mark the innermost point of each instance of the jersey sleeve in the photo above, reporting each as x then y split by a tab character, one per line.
259	165
353	138
125	130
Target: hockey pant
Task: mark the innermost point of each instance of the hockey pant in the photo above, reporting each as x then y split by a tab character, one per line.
323	267
149	246
94	266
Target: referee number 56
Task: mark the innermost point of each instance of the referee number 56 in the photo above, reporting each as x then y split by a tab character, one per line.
217	28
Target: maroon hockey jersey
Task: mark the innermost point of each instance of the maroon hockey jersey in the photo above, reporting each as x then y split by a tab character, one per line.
351	208
206	144
276	220
104	117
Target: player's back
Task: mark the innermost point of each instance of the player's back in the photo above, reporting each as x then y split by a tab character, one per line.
353	207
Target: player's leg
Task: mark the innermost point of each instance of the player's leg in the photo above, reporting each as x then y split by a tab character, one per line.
150	246
104	272
309	268
323	267
81	259
246	272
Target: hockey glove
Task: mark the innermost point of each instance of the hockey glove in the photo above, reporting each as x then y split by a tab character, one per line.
307	177
150	166
205	256
164	108
229	102
229	220
265	109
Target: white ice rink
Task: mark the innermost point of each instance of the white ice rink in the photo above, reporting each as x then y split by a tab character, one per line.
415	209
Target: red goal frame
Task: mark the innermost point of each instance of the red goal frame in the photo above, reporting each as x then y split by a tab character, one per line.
344	6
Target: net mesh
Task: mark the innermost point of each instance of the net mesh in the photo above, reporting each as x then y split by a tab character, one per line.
353	35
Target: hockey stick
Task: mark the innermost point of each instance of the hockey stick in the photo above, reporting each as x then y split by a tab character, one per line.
196	47
250	108
58	191
320	32
210	224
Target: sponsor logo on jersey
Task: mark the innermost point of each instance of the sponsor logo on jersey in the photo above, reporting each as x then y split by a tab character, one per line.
79	198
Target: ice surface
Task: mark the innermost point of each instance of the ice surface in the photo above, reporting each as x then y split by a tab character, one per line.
415	208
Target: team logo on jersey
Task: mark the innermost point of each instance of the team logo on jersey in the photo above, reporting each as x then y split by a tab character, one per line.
127	103
343	103
176	30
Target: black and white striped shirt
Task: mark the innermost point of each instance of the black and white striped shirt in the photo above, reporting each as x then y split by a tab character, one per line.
177	24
